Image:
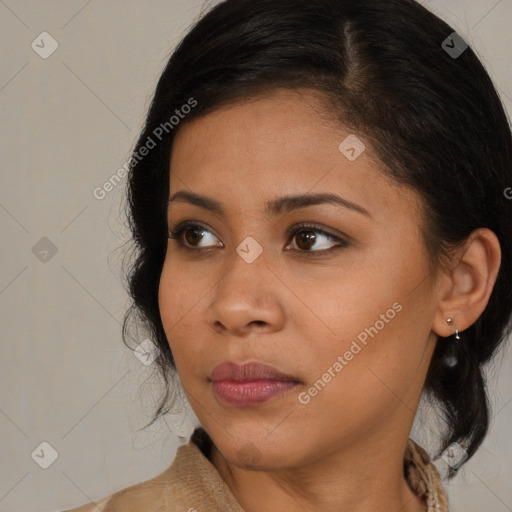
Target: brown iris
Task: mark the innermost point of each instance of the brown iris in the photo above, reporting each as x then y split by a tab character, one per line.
306	237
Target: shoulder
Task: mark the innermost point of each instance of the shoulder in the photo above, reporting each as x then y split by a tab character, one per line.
99	506
189	483
147	495
143	496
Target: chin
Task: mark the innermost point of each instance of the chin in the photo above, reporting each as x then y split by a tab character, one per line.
257	453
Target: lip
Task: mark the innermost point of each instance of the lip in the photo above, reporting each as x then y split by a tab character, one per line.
248	372
249	384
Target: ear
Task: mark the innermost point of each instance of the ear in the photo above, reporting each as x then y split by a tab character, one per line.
464	290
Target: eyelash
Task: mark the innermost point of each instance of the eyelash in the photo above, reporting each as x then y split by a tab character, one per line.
177	234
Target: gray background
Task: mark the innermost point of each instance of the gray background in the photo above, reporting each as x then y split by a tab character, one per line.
68	124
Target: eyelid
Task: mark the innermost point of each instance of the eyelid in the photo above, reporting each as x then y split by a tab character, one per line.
176	231
313	227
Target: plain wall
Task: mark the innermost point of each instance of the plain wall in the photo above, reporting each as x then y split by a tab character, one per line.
68	124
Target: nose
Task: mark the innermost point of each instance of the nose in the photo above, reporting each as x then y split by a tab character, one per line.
246	299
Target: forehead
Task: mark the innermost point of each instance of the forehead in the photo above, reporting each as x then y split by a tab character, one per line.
283	123
282	143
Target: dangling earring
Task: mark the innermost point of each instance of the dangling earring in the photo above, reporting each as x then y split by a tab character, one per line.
449	321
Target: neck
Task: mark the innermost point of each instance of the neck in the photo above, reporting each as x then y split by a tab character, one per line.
357	480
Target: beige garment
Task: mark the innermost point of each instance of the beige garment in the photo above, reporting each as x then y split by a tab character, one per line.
192	484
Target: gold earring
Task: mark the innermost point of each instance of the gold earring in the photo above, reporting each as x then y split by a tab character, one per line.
449	321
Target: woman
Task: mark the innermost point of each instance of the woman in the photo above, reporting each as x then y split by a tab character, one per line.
318	203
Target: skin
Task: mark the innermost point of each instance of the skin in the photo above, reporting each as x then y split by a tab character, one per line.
299	307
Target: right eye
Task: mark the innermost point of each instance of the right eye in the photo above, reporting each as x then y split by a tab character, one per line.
189	232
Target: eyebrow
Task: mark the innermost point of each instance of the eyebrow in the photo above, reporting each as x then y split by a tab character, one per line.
273	207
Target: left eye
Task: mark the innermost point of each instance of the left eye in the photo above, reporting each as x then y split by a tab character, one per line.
306	235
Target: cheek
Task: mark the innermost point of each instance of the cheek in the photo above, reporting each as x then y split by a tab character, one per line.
377	318
178	293
343	304
177	299
167	297
171	308
374	368
380	368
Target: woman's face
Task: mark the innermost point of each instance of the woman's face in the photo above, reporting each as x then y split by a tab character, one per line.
343	305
